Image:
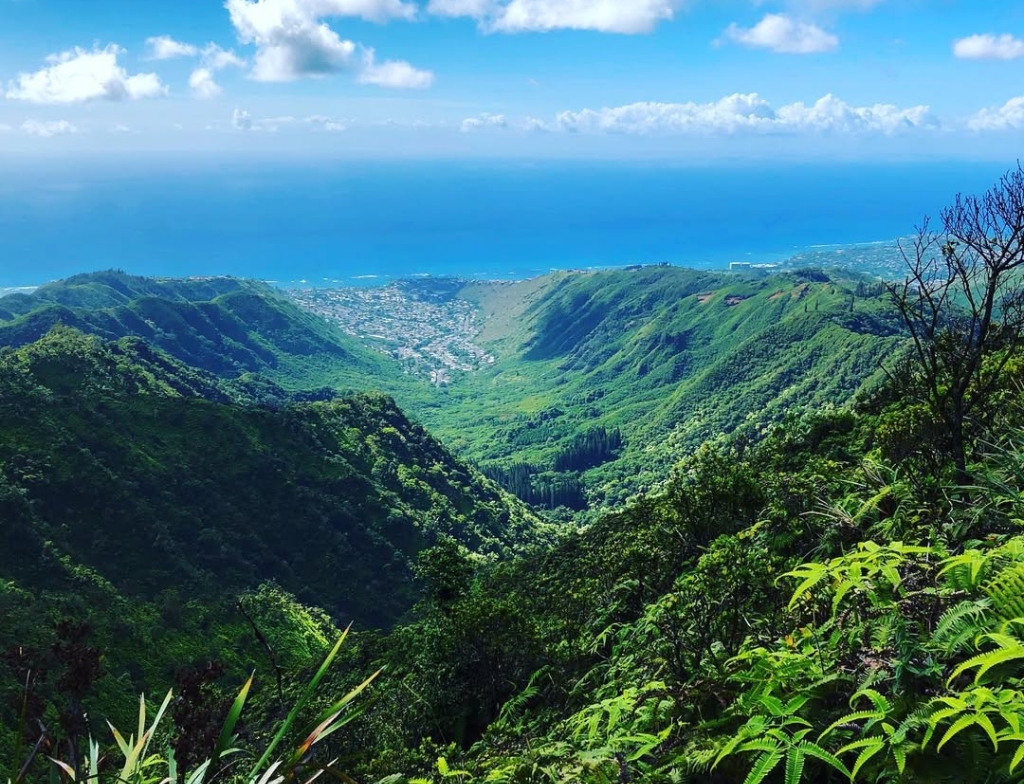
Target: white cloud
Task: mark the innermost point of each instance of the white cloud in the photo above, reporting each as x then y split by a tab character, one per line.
1008	117
163	47
293	41
212	58
780	33
989	47
241	120
48	129
121	128
393	73
79	75
606	16
217	59
482	121
830	114
745	113
202	84
325	123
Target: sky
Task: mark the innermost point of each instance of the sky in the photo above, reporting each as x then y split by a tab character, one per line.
696	80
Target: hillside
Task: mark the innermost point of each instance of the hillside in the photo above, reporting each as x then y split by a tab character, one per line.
659	359
572	389
115	464
227	326
812	604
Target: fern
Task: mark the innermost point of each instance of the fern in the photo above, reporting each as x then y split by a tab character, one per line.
1008	649
961	625
1006	591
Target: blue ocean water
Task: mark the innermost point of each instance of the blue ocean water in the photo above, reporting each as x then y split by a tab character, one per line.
350	222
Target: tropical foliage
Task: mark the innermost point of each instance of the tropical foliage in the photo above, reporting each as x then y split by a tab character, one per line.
824	593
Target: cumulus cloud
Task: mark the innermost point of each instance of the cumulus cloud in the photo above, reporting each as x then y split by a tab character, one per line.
292	39
80	75
606	16
212	58
780	33
746	113
202	84
217	59
989	47
484	120
163	47
393	73
1008	117
48	128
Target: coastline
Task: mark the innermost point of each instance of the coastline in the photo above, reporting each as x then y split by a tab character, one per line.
870	257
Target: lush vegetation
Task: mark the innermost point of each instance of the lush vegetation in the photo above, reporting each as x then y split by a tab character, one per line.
658	358
139	500
666	358
230	327
828	592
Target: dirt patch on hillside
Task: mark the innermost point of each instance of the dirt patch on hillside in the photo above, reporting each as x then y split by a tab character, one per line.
704	299
734	300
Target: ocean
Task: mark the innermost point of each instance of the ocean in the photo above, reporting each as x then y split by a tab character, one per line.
348	223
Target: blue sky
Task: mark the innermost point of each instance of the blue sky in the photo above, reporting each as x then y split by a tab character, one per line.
688	79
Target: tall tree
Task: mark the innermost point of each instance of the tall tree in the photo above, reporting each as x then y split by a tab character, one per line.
963	303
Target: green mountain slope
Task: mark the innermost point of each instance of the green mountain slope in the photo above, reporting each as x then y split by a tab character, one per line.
113	463
664	357
602	380
227	326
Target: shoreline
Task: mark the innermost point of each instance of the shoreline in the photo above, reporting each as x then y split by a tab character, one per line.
795	257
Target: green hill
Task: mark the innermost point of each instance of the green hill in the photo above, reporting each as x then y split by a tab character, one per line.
660	358
139	473
603	380
226	326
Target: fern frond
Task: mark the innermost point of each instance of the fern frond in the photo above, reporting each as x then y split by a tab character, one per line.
1006	590
794	766
812	749
961	624
765	764
1010	649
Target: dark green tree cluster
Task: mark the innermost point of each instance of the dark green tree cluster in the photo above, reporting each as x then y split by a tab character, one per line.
587	450
539	488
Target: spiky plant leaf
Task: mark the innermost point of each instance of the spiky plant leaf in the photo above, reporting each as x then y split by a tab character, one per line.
304	698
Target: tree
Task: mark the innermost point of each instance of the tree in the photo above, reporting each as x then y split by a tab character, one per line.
963	303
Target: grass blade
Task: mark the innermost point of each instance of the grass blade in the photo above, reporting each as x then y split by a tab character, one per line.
299	705
227	732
